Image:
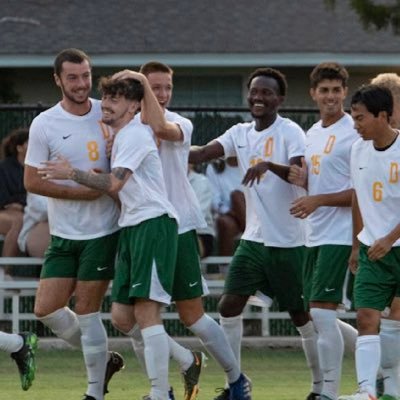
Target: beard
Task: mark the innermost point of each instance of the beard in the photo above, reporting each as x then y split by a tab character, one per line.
74	98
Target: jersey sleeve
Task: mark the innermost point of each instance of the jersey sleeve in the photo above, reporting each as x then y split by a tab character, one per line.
185	126
38	149
295	139
132	148
227	140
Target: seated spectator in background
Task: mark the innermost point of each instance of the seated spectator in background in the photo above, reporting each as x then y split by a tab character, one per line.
202	187
34	237
228	203
12	191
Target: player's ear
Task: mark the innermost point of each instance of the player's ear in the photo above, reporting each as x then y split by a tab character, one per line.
57	80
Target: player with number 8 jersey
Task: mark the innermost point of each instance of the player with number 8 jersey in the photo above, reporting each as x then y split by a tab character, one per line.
82	140
83	222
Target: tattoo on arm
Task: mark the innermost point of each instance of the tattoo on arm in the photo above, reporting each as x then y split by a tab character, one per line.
96	181
120	173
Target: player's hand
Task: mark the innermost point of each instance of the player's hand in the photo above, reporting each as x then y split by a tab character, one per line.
353	260
298	175
379	248
255	173
59	169
304	206
129	74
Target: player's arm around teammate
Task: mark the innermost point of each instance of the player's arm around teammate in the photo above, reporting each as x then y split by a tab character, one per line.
173	135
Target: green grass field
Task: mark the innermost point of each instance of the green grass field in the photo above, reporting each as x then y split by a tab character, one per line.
276	374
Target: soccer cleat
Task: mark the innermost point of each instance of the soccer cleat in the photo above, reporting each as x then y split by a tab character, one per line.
192	375
241	389
380	386
25	359
223	394
388	397
313	396
358	396
114	364
87	397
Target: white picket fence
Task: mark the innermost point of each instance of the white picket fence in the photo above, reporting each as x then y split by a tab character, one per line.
21	287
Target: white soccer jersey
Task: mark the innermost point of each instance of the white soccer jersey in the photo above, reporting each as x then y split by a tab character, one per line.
82	141
328	160
144	195
223	184
268	219
376	179
174	159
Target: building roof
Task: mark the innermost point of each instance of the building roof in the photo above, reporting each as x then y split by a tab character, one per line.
205	32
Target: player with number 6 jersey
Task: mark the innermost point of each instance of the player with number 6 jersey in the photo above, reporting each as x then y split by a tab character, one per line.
376	236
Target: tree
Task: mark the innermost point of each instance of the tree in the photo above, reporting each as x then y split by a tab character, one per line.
375	16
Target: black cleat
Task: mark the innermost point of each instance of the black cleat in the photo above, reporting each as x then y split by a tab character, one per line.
313	396
25	359
223	394
114	364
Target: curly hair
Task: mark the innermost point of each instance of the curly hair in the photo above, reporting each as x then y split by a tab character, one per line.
10	143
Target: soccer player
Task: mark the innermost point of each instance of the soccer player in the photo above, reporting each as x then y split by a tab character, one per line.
83	222
22	349
326	176
390	325
173	133
148	240
376	234
270	254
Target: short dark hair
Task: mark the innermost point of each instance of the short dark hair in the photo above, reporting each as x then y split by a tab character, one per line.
270	73
155	66
329	70
17	137
130	88
375	99
72	55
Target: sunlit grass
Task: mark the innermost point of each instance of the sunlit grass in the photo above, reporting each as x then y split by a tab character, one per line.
276	374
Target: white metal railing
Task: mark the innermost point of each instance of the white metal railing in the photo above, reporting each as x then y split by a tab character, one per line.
21	287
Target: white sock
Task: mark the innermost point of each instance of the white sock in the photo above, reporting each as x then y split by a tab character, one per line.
330	349
183	356
156	354
390	355
138	345
349	334
10	342
368	355
94	348
309	342
216	343
64	324
233	329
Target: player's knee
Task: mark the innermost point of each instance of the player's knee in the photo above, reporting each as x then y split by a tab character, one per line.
299	318
121	324
368	321
231	306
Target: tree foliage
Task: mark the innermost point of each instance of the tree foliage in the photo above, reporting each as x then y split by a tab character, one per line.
376	14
